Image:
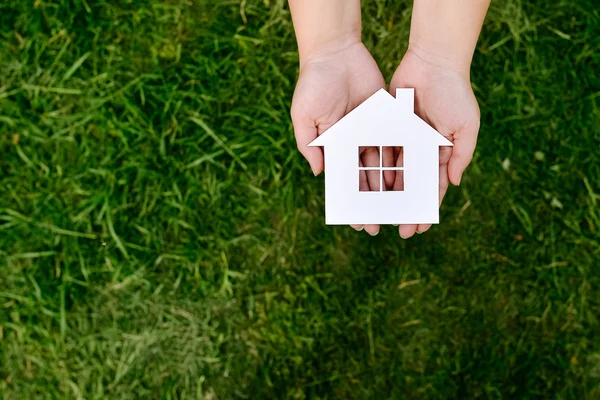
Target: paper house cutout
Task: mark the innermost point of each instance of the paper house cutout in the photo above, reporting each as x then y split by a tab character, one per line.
382	120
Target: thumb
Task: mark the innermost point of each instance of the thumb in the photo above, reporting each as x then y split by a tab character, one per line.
465	141
305	132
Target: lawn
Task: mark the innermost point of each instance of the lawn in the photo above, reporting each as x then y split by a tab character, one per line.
161	237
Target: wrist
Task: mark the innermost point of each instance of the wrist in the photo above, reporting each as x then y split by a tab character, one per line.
443	56
327	46
325	27
445	32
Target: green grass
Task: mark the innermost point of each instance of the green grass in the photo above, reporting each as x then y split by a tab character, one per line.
161	237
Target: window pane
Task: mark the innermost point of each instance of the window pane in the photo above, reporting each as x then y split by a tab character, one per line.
393	157
389	178
369	180
368	156
395	183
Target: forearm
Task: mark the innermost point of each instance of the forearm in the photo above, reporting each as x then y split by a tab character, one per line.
446	31
325	26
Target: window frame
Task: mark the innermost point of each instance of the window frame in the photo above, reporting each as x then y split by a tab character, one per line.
381	168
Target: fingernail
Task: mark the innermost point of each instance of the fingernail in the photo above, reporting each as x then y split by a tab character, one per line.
374	234
459	179
359	229
403	237
313	169
418	233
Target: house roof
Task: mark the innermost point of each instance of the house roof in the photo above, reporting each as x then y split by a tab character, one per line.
383	120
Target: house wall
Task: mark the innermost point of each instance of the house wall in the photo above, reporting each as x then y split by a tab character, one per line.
417	204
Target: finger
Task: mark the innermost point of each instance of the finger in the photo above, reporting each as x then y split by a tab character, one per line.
363	182
422	228
372	230
398	185
407	231
389	160
399	175
363	185
444	181
443	187
389	178
465	141
305	132
370	158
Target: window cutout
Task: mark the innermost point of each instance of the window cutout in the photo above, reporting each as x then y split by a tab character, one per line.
369	157
396	184
381	169
370	180
393	157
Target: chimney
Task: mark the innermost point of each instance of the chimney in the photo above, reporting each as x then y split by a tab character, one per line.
406	98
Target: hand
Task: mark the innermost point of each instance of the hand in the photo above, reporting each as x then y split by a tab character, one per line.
329	87
444	99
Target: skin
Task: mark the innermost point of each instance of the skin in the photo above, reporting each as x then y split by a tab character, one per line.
337	73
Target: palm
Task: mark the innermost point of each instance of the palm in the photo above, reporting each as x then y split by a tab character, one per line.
445	99
329	87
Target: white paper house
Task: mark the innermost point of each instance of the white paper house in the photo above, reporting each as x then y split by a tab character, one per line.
384	121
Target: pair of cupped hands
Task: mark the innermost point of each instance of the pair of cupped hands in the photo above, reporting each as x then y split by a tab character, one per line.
333	84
